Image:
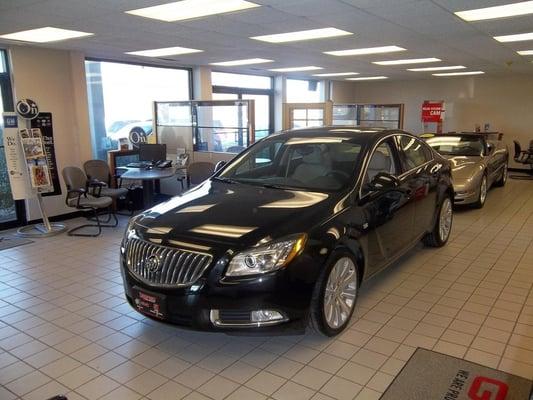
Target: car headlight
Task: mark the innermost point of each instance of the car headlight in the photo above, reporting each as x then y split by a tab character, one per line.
267	258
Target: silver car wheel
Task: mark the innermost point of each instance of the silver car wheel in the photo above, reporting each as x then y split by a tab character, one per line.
505	173
483	190
340	292
445	219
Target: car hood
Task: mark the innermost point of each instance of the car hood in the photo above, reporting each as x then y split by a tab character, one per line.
235	215
465	168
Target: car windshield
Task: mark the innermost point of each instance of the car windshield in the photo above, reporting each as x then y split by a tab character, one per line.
457	145
307	162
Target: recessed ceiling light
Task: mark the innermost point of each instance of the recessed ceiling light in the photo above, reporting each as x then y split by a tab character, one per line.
460	73
507	10
189	9
452	67
295	69
521	37
338	74
248	61
368	50
166	51
302	35
408	61
368	78
46	34
525	52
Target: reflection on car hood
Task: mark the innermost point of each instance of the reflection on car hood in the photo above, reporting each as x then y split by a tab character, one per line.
237	215
465	168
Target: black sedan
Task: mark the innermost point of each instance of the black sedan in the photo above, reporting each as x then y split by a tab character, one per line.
285	233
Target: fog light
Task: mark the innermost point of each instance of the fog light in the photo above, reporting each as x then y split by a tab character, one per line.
265	316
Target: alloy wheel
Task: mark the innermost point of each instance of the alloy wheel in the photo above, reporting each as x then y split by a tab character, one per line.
483	190
340	292
505	173
445	219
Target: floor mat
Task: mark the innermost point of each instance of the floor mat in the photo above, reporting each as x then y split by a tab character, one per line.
8	242
429	375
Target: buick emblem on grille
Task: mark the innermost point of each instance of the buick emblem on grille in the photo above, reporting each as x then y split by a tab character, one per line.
152	263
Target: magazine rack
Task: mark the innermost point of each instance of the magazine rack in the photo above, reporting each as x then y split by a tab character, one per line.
37	164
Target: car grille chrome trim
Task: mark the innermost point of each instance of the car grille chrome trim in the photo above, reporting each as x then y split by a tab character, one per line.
176	267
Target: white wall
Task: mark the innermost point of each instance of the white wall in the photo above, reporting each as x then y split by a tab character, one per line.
506	102
55	80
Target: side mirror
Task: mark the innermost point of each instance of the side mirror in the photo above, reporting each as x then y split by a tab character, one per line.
490	148
219	165
381	182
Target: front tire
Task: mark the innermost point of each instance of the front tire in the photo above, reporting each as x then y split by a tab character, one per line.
335	295
443	225
505	173
483	190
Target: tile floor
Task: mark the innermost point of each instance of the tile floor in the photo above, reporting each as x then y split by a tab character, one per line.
65	327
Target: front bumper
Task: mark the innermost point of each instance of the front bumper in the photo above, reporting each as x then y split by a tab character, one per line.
462	196
287	291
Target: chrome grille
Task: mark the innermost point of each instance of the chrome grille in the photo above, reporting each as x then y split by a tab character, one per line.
159	265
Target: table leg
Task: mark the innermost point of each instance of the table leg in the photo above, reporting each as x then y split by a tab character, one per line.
148	193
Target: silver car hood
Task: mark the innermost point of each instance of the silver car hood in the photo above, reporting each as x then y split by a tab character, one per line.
465	170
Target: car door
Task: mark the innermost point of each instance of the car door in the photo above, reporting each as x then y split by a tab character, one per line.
421	177
387	212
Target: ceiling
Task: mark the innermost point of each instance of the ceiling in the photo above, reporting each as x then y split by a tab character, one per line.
426	28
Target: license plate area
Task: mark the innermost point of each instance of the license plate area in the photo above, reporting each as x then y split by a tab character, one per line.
149	303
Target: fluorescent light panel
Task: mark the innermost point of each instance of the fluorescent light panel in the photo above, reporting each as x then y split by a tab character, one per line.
166	51
408	61
521	37
368	50
248	61
302	35
460	73
368	78
337	74
525	52
507	10
427	69
189	9
45	35
296	69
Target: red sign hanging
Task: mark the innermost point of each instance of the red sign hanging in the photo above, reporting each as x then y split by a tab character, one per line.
432	111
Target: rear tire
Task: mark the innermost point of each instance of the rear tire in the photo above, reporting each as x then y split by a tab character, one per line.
341	272
505	173
443	225
483	191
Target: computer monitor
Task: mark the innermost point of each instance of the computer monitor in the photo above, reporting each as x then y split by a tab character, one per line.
152	152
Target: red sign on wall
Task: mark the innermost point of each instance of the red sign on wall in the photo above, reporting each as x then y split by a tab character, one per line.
432	111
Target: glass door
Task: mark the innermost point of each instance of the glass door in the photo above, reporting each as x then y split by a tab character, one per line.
11	212
262	114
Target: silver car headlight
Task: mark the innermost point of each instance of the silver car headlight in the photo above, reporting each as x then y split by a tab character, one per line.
267	258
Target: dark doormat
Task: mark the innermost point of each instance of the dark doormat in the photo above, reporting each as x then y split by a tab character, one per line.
434	376
7	242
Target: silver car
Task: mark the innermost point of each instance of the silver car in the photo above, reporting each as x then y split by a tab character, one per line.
478	162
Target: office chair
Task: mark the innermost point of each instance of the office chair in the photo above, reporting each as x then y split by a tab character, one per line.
523	157
98	171
197	172
79	197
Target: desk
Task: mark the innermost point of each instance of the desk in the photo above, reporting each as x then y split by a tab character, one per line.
148	176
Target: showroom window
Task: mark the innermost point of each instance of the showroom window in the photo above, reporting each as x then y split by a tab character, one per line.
121	97
304	91
228	86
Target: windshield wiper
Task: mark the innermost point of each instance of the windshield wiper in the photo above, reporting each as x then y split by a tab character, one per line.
225	180
273	186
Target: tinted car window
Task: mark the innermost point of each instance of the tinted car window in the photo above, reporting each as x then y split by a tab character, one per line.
315	163
414	152
382	160
457	145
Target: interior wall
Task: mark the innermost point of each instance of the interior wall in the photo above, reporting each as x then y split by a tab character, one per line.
55	80
503	102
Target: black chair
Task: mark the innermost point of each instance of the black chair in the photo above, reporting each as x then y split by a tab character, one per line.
197	172
79	197
524	157
98	172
